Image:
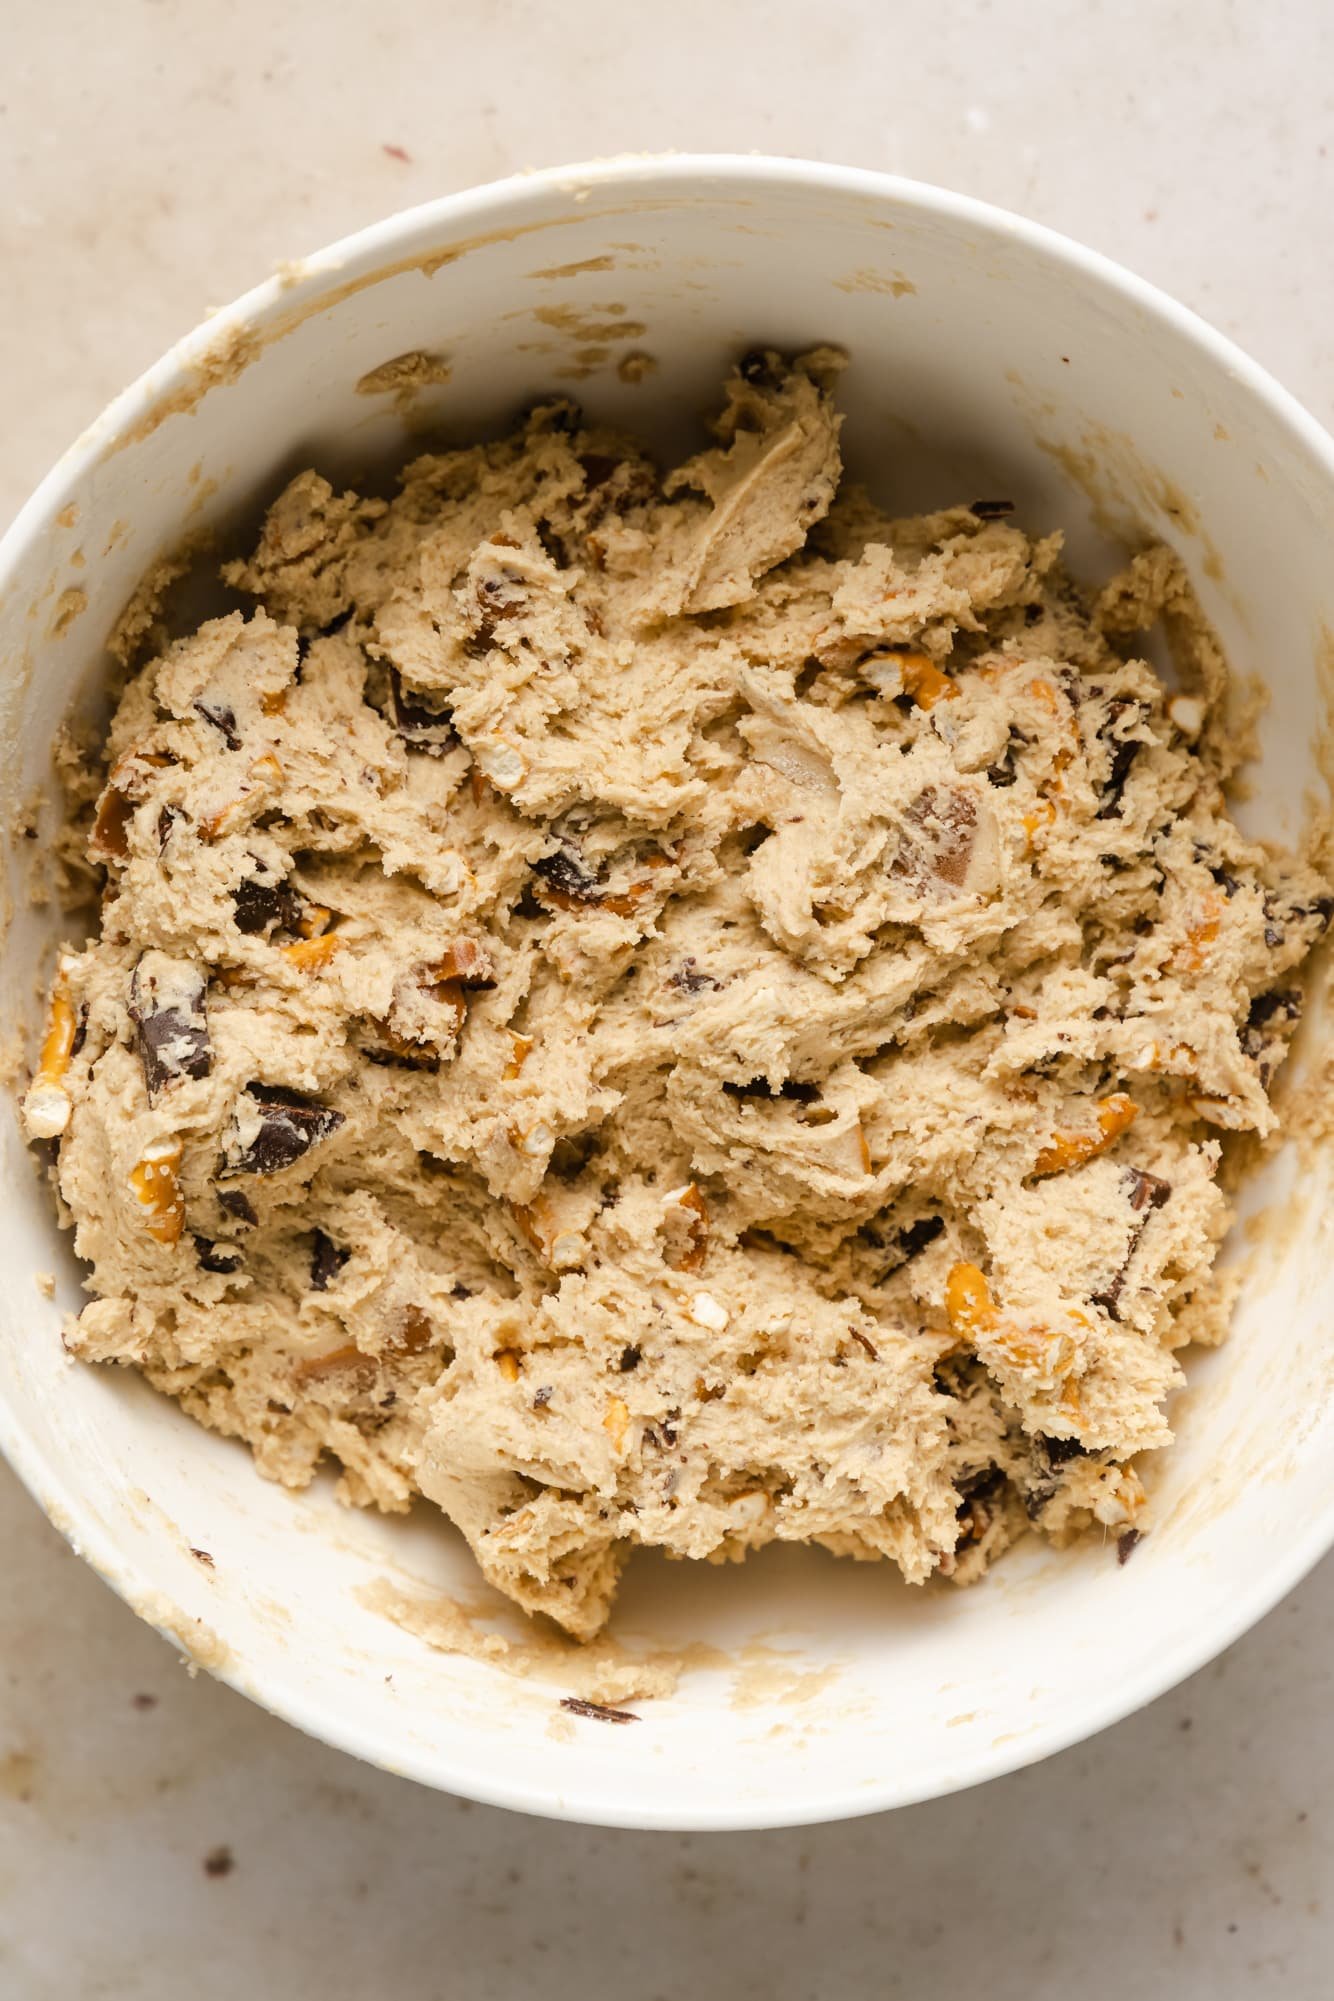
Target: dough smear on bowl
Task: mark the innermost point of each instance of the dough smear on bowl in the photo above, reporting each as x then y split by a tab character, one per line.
671	1010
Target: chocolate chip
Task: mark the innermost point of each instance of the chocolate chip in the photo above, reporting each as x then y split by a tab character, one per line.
288	1127
418	722
940	831
259	905
630	1359
166	1006
1145	1193
1059	1450
167	821
990	510
235	1202
1003	771
565	873
916	1236
1122	752
792	1088
223	719
1127	1544
601	1712
217	1257
1285	1002
326	1261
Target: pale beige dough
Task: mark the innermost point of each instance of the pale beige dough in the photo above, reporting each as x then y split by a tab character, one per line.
671	1011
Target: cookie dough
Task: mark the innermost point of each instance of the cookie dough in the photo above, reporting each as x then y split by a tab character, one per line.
671	1011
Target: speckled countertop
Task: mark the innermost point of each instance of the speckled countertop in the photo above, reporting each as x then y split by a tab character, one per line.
158	1836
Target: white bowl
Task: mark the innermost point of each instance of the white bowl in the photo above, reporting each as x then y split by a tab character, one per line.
989	357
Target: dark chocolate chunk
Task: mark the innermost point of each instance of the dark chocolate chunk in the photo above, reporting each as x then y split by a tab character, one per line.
690	978
223	719
1145	1193
402	1056
217	1257
1122	752
600	1712
167	821
1003	772
326	1261
1285	1003
939	834
166	1006
1127	1544
1264	1038
983	1485
1059	1450
982	1494
565	873
288	1127
237	1204
259	905
990	510
630	1359
918	1235
793	1088
903	1245
420	724
1043	1478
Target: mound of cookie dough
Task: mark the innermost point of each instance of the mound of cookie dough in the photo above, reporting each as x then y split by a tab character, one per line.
671	1010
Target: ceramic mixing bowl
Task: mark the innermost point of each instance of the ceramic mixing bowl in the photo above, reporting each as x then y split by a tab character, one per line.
987	357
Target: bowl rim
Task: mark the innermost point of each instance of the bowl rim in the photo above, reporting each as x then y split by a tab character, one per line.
453	214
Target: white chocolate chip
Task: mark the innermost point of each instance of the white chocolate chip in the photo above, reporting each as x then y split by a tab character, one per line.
706	1311
748	1511
537	1142
1187	713
46	1110
567	1251
501	763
